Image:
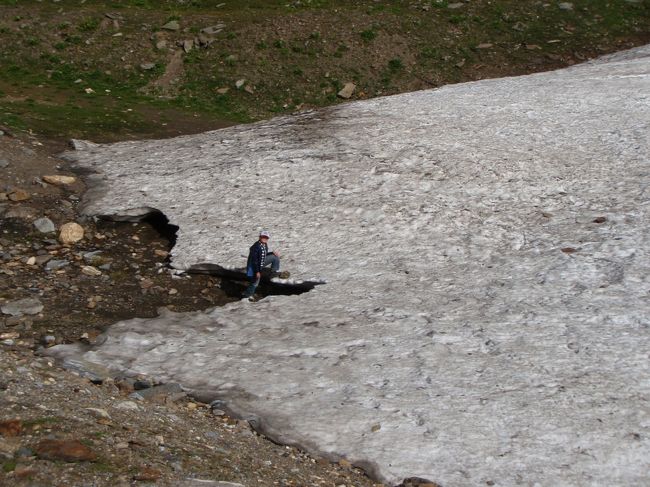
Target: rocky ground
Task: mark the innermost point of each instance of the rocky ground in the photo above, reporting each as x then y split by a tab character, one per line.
58	286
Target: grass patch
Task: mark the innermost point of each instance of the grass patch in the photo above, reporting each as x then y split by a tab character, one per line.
89	24
103	467
41	67
368	34
395	65
28	423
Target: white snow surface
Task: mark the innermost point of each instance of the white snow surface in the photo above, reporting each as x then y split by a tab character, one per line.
454	340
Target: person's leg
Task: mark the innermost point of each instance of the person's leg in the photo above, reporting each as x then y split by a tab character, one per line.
273	261
250	290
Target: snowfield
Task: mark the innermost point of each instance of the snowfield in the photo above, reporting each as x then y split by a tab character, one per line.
486	253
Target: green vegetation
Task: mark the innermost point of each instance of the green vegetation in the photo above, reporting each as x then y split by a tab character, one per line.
41	421
68	70
89	24
368	34
395	65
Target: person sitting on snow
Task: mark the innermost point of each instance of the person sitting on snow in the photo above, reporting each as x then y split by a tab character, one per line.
258	258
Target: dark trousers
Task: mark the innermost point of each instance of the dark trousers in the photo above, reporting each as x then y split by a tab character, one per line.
271	260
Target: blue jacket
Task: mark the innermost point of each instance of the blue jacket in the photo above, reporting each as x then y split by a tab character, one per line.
256	257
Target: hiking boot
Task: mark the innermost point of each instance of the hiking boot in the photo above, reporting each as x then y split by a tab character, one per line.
281	274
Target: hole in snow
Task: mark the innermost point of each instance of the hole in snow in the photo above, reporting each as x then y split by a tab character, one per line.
160	223
234	281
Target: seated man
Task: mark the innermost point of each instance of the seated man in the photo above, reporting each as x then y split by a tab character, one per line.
258	258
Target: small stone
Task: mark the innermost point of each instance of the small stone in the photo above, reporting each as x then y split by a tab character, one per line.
147	474
347	91
147	66
27	306
54	265
158	393
58	180
203	40
65	450
19	195
240	83
12	427
31	261
24	472
172	25
93	256
223	91
162	44
99	413
125	384
146	283
455	5
249	89
3	163
93	372
600	219
188	45
21	212
71	233
48	340
565	6
484	45
140	385
345	463
173	291
44	225
163	253
213	29
14	320
127	406
24	452
43	259
89	270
